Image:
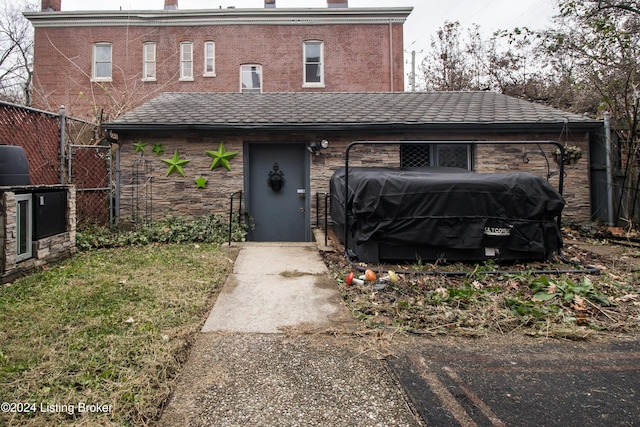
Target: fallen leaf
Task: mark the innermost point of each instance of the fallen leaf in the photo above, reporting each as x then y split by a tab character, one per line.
579	303
627	298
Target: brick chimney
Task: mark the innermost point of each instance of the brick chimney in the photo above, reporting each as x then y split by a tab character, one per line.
51	5
269	4
337	3
170	4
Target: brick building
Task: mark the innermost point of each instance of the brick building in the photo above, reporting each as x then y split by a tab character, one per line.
103	63
185	88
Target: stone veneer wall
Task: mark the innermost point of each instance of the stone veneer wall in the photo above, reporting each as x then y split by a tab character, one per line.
49	249
178	195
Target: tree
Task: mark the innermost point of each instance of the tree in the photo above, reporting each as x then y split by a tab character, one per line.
602	37
16	52
446	67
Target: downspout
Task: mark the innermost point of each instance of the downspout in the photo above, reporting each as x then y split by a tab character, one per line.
116	210
116	200
391	55
63	136
607	137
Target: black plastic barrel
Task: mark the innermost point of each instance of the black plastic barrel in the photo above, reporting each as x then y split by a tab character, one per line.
14	166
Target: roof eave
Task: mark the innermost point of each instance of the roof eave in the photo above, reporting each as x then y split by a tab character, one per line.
370	126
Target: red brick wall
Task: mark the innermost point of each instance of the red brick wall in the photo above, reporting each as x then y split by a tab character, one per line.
357	59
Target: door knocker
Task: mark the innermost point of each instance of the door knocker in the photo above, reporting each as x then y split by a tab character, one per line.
276	178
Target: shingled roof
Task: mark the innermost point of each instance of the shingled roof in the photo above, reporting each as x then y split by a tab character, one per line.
342	111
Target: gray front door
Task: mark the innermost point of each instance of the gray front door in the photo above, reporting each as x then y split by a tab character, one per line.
277	186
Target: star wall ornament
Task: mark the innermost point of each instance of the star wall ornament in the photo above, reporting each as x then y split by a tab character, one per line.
157	149
140	146
175	164
221	157
201	182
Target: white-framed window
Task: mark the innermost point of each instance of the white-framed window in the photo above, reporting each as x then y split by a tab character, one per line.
102	62
436	155
149	62
209	59
186	61
313	53
251	78
24	226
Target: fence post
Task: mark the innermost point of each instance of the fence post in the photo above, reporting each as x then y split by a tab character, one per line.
63	122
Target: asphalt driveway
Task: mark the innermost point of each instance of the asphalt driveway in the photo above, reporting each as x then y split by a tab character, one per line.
520	382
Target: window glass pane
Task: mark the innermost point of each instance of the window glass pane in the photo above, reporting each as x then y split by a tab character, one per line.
415	156
432	155
453	156
313	62
186	63
150	70
312	52
150	52
149	61
103	53
313	73
251	78
186	51
102	61
103	69
23	223
209	49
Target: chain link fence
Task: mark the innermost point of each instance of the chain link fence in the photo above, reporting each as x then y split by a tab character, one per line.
86	159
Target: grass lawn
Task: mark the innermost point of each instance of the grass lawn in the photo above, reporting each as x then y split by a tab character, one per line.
98	339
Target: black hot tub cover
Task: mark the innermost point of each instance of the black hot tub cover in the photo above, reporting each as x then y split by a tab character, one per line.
449	208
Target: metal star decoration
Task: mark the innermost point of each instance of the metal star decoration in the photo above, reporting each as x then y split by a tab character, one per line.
140	146
201	182
221	157
157	149
175	164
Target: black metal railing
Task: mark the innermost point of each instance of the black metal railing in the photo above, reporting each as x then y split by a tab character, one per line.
237	194
326	197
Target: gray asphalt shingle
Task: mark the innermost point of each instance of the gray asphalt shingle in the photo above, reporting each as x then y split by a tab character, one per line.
340	109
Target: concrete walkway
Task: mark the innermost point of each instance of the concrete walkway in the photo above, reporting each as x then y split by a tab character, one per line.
278	350
276	286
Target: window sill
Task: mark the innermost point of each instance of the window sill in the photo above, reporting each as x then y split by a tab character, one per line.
209	75
313	85
189	79
102	80
149	80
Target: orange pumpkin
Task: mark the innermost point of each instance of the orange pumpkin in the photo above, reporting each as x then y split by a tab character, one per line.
370	275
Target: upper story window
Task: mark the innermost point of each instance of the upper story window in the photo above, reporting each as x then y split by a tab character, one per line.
102	62
149	62
434	155
251	78
313	64
186	61
209	59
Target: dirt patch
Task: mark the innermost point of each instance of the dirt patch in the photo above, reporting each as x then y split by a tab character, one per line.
591	290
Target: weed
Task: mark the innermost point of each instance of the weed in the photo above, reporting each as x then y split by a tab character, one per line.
171	229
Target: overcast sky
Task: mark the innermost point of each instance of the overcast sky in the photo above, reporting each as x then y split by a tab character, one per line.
426	18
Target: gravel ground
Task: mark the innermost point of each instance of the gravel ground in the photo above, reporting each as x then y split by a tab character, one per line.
287	380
